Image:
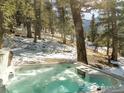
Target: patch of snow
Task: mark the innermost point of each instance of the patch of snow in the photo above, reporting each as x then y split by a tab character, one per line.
62	56
27	52
118	71
62	78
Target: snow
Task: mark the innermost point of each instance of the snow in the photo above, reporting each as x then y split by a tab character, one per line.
63	56
116	71
27	52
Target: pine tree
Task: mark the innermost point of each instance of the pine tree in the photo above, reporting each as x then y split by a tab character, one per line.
37	8
114	32
7	10
93	29
50	12
80	40
105	21
121	27
1	28
110	13
28	25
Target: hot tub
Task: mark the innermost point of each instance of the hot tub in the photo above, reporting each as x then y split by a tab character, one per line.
60	78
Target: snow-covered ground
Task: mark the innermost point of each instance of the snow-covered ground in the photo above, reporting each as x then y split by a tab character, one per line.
117	70
27	52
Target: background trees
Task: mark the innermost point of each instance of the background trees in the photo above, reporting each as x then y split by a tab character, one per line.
110	14
121	27
64	17
7	10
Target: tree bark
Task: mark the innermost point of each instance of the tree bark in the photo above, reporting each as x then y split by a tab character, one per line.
114	37
51	24
28	23
18	18
64	38
114	44
108	44
72	38
51	20
108	37
1	29
63	24
93	29
80	40
38	20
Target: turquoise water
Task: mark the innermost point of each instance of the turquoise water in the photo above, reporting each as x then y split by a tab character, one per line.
60	78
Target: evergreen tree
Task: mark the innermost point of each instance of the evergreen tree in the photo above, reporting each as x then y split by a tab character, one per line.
121	27
109	19
80	40
37	8
1	28
65	21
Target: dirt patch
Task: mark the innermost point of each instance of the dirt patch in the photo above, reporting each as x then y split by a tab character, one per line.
98	60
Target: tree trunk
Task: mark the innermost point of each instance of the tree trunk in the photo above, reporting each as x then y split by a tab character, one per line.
108	37
28	23
18	18
63	24
38	20
93	29
72	38
39	32
51	30
35	36
64	38
1	29
51	24
51	18
80	40
114	46
29	33
108	44
114	37
1	39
